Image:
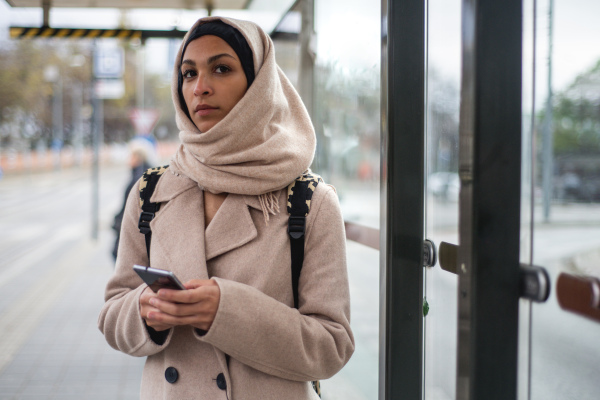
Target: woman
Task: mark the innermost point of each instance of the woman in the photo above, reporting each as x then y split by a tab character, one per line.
141	154
234	332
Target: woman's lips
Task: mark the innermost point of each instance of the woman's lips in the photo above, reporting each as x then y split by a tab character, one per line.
203	110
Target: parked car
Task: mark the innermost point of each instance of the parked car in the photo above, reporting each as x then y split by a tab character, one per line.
444	185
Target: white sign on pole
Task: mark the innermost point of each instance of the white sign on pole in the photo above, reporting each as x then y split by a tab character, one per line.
109	62
109	88
143	120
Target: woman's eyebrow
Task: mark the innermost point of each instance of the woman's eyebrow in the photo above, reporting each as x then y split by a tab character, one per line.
216	57
209	61
189	62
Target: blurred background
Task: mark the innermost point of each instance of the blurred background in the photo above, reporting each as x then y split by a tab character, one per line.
74	110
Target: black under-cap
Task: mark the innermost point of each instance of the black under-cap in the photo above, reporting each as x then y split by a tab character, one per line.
233	37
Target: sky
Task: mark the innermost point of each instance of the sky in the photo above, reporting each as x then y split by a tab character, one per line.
348	32
576	41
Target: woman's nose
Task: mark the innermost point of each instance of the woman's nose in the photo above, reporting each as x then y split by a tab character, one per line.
203	87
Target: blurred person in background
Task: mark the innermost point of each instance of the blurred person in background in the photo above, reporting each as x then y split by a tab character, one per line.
141	157
235	331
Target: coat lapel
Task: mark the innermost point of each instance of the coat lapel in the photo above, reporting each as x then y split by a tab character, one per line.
231	227
170	186
178	228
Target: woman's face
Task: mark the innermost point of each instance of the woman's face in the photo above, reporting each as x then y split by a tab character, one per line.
213	80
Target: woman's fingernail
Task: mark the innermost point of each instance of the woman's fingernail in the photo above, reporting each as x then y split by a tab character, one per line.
152	302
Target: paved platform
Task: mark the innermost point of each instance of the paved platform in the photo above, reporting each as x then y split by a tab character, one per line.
60	353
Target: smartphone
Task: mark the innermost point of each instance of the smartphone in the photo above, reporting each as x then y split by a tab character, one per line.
158	278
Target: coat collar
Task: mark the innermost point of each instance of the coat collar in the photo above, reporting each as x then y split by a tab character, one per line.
170	186
252	201
231	227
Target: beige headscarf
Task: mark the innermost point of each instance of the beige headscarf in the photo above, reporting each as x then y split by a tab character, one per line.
264	143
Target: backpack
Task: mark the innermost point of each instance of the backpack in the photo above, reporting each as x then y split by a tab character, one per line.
298	206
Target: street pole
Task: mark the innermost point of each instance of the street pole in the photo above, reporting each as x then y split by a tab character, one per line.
97	140
307	56
547	130
57	120
141	57
76	102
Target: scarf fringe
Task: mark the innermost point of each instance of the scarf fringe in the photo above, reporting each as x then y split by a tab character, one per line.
269	204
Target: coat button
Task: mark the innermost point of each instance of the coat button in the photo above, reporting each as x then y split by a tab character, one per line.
221	382
171	375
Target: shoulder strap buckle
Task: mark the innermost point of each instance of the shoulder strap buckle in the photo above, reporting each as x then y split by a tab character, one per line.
296	226
144	222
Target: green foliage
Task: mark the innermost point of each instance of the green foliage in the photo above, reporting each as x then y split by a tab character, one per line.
576	115
26	95
425	307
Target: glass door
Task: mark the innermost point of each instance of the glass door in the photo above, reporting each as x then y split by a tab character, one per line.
560	357
442	79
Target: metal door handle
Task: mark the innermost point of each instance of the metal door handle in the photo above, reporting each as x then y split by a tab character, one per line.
535	282
449	257
429	253
579	294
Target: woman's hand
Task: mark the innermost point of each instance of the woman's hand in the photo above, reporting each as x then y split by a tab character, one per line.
195	306
146	308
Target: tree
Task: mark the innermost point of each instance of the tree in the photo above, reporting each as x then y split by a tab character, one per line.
577	115
26	95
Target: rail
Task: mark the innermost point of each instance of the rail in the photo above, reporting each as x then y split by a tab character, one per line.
362	234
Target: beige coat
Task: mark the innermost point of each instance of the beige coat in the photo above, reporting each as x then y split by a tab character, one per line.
274	349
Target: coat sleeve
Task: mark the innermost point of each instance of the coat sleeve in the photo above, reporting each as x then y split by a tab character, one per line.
120	320
309	343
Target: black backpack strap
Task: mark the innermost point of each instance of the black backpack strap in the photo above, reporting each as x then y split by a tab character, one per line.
298	205
149	209
299	197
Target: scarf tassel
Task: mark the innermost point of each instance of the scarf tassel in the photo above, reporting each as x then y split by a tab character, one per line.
269	204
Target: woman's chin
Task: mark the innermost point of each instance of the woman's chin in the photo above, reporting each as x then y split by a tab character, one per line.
204	125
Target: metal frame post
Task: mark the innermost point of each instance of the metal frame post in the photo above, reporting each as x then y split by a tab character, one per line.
490	173
402	199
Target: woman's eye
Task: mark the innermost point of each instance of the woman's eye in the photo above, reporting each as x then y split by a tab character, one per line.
188	73
221	69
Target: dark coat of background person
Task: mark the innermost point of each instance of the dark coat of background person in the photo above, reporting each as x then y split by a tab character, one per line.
136	173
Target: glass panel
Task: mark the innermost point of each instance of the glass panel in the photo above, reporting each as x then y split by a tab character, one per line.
443	91
564	358
347	121
527	189
56	203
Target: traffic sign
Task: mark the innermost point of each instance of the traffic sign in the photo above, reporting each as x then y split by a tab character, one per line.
143	120
109	62
109	88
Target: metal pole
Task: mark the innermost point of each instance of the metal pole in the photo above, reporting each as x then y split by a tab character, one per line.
97	139
141	56
307	56
490	199
547	131
57	121
402	202
97	144
77	101
46	13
